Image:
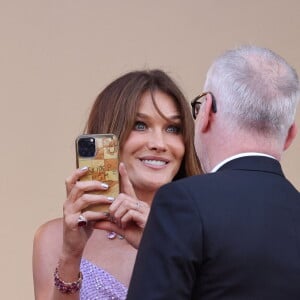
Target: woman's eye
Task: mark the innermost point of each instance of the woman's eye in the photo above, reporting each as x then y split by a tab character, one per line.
174	129
139	126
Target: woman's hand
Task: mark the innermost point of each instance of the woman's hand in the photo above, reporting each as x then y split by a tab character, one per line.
128	214
79	197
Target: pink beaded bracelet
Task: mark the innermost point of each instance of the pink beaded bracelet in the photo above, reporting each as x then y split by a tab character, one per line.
67	287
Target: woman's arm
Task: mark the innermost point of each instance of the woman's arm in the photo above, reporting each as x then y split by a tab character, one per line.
59	244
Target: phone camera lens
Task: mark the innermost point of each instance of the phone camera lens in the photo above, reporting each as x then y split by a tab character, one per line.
86	147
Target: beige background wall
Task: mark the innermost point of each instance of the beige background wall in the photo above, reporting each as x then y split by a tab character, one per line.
56	55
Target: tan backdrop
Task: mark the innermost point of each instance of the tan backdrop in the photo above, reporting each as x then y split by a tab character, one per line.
56	55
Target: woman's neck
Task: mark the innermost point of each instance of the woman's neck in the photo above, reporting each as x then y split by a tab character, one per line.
145	196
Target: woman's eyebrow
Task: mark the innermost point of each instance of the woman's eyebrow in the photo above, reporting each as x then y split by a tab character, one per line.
174	117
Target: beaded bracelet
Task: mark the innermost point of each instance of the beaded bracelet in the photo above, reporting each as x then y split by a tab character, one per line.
67	287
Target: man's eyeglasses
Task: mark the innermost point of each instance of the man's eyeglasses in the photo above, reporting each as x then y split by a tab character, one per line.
196	103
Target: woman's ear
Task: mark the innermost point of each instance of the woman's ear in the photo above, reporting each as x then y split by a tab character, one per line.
290	136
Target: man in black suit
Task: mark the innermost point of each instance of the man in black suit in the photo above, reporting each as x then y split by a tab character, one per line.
234	232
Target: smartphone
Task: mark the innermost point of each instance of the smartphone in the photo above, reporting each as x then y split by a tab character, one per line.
100	153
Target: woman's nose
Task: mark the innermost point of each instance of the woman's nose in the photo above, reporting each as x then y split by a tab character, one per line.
156	141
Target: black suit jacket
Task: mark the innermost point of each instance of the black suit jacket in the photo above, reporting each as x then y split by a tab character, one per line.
233	234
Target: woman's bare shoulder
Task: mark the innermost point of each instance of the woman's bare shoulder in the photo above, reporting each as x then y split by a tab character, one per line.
49	232
50	226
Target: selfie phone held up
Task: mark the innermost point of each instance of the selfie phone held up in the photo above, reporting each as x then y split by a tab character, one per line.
100	153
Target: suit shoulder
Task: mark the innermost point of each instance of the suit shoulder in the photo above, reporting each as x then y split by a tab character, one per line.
195	181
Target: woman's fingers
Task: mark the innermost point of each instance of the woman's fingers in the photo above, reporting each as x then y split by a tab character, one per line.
87	200
74	186
126	185
120	206
81	187
128	206
80	195
93	216
133	216
123	203
134	210
109	226
73	178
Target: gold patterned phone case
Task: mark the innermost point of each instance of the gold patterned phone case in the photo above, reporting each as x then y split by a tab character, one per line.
100	153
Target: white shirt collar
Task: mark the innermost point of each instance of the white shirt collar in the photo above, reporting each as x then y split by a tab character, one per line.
219	165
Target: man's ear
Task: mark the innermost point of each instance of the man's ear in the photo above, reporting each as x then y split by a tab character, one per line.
290	136
206	113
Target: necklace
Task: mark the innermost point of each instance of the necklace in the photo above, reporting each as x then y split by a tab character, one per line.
111	235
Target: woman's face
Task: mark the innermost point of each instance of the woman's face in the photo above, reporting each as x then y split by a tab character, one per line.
154	149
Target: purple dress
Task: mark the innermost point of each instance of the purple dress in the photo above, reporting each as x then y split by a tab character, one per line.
98	284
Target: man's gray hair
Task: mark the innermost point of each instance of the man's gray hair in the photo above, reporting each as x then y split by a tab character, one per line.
255	89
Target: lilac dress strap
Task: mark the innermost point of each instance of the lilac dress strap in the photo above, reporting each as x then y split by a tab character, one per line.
98	284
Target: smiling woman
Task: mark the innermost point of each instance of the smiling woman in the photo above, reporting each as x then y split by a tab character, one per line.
151	117
154	149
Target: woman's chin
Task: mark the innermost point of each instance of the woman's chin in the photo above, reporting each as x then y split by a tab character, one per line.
154	185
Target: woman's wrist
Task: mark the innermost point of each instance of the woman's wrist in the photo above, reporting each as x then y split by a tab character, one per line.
68	267
67	287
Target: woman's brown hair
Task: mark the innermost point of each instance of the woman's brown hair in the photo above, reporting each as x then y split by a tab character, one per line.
115	108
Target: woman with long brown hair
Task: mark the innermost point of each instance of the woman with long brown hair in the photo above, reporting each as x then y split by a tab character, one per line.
149	114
